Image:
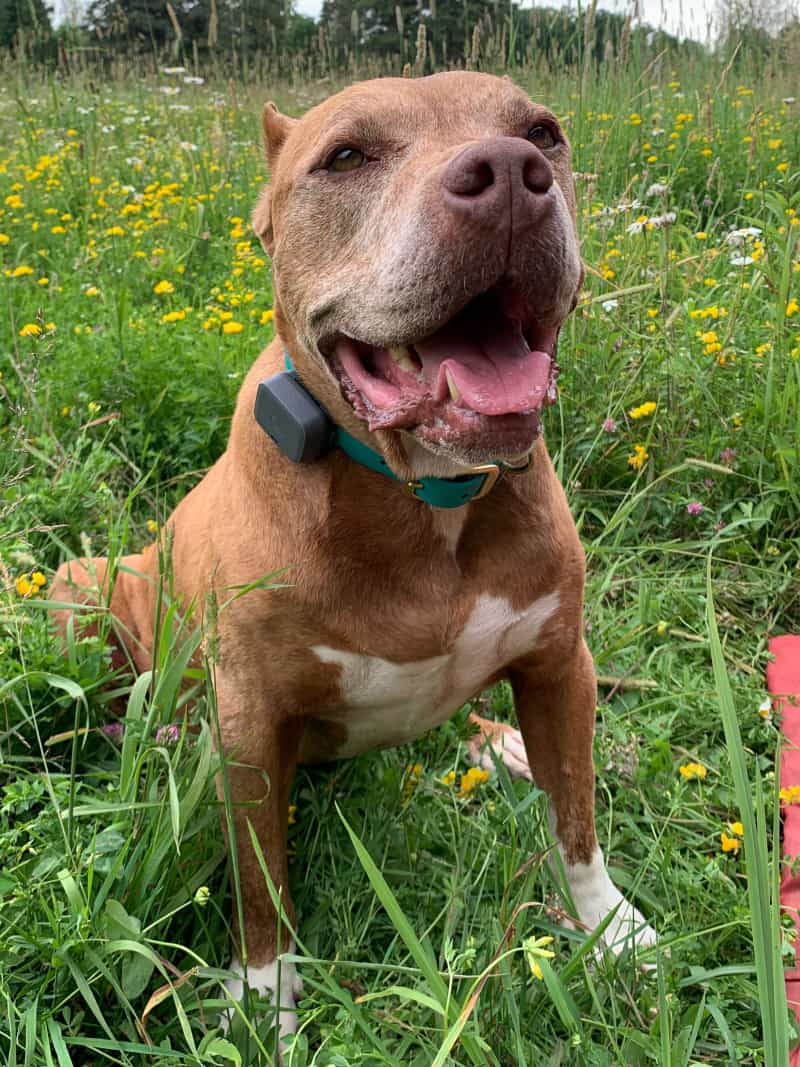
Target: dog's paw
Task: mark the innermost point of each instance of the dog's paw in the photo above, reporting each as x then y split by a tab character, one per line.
596	897
505	741
276	983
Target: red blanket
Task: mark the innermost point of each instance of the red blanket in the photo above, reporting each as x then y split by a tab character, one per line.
783	683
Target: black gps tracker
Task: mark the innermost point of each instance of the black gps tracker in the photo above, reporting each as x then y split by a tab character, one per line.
290	415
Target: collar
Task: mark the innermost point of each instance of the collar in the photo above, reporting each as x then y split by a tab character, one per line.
437	492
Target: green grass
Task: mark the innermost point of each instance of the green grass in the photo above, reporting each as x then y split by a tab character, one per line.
114	895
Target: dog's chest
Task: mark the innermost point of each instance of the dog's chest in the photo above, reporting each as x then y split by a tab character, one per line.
386	703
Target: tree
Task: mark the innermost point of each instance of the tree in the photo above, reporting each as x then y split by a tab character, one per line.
31	17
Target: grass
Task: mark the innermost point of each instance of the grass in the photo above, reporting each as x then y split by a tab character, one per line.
418	916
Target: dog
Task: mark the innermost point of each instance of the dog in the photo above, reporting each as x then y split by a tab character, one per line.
425	255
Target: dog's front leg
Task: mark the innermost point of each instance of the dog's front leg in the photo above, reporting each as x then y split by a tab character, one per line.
261	751
557	716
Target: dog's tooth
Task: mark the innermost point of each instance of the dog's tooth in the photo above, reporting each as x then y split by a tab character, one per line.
402	357
451	385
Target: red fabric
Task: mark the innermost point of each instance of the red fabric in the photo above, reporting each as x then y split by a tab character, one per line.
783	683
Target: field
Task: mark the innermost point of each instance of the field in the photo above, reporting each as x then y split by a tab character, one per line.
133	296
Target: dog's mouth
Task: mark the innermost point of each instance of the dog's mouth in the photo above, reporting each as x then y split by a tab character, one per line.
485	373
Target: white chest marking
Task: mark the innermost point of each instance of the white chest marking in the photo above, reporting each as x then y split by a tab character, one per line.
386	703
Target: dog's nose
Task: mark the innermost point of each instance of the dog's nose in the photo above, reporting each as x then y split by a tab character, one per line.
492	174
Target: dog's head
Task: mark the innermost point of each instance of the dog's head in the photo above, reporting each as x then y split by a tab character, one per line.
424	248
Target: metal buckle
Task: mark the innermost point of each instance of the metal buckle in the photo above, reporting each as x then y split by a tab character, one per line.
412	488
492	471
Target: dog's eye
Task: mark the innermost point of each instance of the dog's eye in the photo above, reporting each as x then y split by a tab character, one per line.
542	136
346	159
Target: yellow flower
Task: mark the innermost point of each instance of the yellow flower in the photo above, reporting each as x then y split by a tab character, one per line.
661	628
692	770
292	818
643	410
790	795
729	844
638	457
152	526
14	201
30	329
761	350
24	586
4	239
43	281
163	287
470	781
792	308
736	828
266	317
449	779
534	949
701	235
65	410
782	166
20	271
173	316
91	291
232	327
115	231
93	407
774	142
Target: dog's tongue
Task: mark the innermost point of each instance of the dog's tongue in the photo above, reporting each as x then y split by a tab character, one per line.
493	370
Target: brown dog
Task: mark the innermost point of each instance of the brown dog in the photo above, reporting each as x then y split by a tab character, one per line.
422	234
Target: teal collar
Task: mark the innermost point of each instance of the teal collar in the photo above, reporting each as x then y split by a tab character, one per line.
438	492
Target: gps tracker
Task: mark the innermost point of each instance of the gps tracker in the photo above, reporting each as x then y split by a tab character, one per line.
290	415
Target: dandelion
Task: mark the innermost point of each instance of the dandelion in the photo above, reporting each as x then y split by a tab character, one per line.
19	272
691	771
695	507
173	316
638	457
30	329
91	291
163	287
730	844
470	781
643	410
792	308
4	239
28	585
266	317
232	327
534	949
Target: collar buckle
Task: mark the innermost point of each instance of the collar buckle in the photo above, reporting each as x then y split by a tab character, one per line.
491	472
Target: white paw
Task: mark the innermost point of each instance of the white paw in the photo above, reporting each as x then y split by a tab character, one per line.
595	896
267	983
507	744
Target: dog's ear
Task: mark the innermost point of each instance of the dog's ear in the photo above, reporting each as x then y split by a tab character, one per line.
277	128
262	219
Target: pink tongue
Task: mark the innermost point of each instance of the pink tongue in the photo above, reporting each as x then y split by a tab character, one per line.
493	369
